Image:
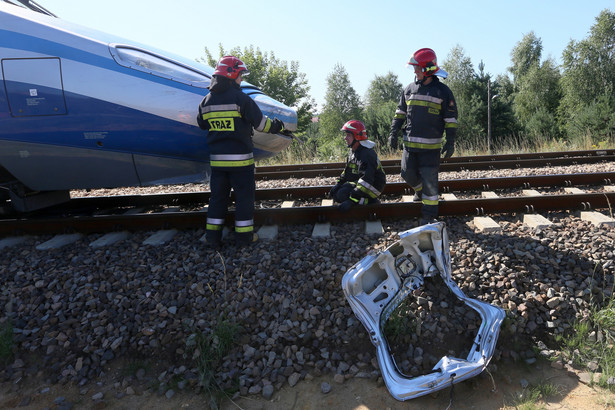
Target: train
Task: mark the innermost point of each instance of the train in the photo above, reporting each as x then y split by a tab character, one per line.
83	109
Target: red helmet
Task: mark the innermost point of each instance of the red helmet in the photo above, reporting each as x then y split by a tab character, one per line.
356	128
230	67
426	59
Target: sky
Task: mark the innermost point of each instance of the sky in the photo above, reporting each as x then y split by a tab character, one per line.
368	38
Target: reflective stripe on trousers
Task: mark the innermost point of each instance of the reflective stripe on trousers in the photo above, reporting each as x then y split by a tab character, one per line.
241	181
421	168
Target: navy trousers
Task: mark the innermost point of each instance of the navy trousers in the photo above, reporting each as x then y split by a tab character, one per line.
241	180
420	170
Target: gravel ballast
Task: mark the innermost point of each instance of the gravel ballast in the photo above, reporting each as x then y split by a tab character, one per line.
75	309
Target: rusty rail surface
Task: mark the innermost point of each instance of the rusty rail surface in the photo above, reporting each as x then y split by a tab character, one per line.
395	188
394	167
452	160
308	214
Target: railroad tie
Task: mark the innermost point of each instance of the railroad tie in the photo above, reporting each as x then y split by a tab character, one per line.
596	218
449	197
535	221
58	241
489	195
323	229
160	237
270	232
486	223
374	227
110	239
11	241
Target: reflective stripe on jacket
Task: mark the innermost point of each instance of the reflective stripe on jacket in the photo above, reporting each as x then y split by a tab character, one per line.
363	169
428	111
229	116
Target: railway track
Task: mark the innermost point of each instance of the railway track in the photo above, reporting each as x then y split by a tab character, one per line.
164	211
487	162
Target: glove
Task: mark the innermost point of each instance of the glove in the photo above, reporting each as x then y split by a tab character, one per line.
288	133
393	140
346	205
334	190
276	126
449	148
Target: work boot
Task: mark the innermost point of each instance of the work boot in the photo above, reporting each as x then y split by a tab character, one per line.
245	240
426	220
417	197
216	246
213	240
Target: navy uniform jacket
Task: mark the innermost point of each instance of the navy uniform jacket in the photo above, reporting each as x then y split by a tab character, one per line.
229	115
363	169
428	111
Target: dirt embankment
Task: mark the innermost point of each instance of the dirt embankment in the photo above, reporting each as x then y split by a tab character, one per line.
502	387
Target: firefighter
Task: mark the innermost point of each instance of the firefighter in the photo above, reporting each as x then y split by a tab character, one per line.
428	109
229	116
363	178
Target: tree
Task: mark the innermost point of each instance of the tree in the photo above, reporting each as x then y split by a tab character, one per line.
588	79
470	89
342	104
537	99
384	88
276	78
525	55
377	119
503	121
382	98
536	91
469	95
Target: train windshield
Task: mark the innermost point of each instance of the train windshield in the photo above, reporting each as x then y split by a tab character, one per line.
157	65
32	5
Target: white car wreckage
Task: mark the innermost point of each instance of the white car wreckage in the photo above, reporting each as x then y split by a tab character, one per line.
381	281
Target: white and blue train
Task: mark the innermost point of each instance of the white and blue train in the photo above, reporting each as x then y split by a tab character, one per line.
82	109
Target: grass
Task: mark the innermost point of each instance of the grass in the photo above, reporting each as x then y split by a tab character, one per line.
592	342
534	397
401	321
6	343
208	348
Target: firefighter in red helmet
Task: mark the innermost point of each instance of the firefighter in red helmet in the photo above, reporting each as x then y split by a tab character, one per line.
229	116
363	178
428	109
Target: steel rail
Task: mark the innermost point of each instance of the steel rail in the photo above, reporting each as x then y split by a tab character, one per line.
452	160
309	214
394	188
444	167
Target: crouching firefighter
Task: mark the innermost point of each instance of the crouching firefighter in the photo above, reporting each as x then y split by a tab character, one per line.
229	115
363	178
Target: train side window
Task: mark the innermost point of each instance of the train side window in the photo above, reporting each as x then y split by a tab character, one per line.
157	65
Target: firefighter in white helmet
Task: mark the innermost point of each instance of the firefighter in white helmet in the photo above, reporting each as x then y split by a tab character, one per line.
428	109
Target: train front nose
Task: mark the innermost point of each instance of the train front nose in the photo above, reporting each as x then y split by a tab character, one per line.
268	145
